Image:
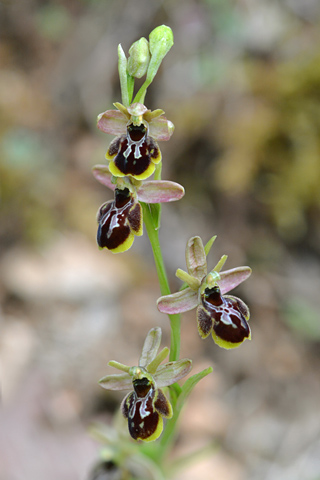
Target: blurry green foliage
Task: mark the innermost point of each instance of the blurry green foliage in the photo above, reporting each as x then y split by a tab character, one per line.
28	182
272	141
303	318
53	21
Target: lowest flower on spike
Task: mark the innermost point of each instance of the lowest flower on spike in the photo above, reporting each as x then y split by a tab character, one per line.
120	220
224	316
134	151
146	405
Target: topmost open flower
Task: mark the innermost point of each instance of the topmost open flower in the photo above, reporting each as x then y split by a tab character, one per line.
135	151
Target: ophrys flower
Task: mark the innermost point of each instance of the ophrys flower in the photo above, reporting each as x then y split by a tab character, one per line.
135	150
224	316
147	404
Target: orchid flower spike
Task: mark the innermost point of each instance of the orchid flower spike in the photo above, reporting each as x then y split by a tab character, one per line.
134	151
224	316
120	220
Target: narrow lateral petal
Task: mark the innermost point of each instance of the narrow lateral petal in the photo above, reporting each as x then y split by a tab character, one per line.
230	279
160	191
161	129
204	322
196	258
150	116
150	347
103	175
117	381
178	302
171	372
112	122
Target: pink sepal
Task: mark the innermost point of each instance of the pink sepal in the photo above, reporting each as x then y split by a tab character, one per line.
230	279
179	302
160	191
112	122
103	175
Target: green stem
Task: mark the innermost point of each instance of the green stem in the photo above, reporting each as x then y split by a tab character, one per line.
153	235
139	98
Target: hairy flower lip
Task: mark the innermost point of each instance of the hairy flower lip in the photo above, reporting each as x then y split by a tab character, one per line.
119	221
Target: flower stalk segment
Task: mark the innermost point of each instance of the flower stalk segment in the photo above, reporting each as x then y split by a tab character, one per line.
153	235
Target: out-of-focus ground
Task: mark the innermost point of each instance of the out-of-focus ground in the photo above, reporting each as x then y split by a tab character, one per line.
242	86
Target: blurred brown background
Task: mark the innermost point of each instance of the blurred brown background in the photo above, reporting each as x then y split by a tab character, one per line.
242	86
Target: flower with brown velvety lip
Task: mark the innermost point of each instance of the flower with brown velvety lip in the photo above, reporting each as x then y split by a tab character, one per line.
135	151
224	316
147	405
120	220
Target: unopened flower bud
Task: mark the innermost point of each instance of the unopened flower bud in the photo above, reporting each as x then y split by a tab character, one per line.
139	57
160	42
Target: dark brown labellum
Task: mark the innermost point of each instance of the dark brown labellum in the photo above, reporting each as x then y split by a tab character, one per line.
229	315
117	219
134	151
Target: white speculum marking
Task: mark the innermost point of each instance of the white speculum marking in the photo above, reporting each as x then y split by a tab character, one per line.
114	223
143	412
138	145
